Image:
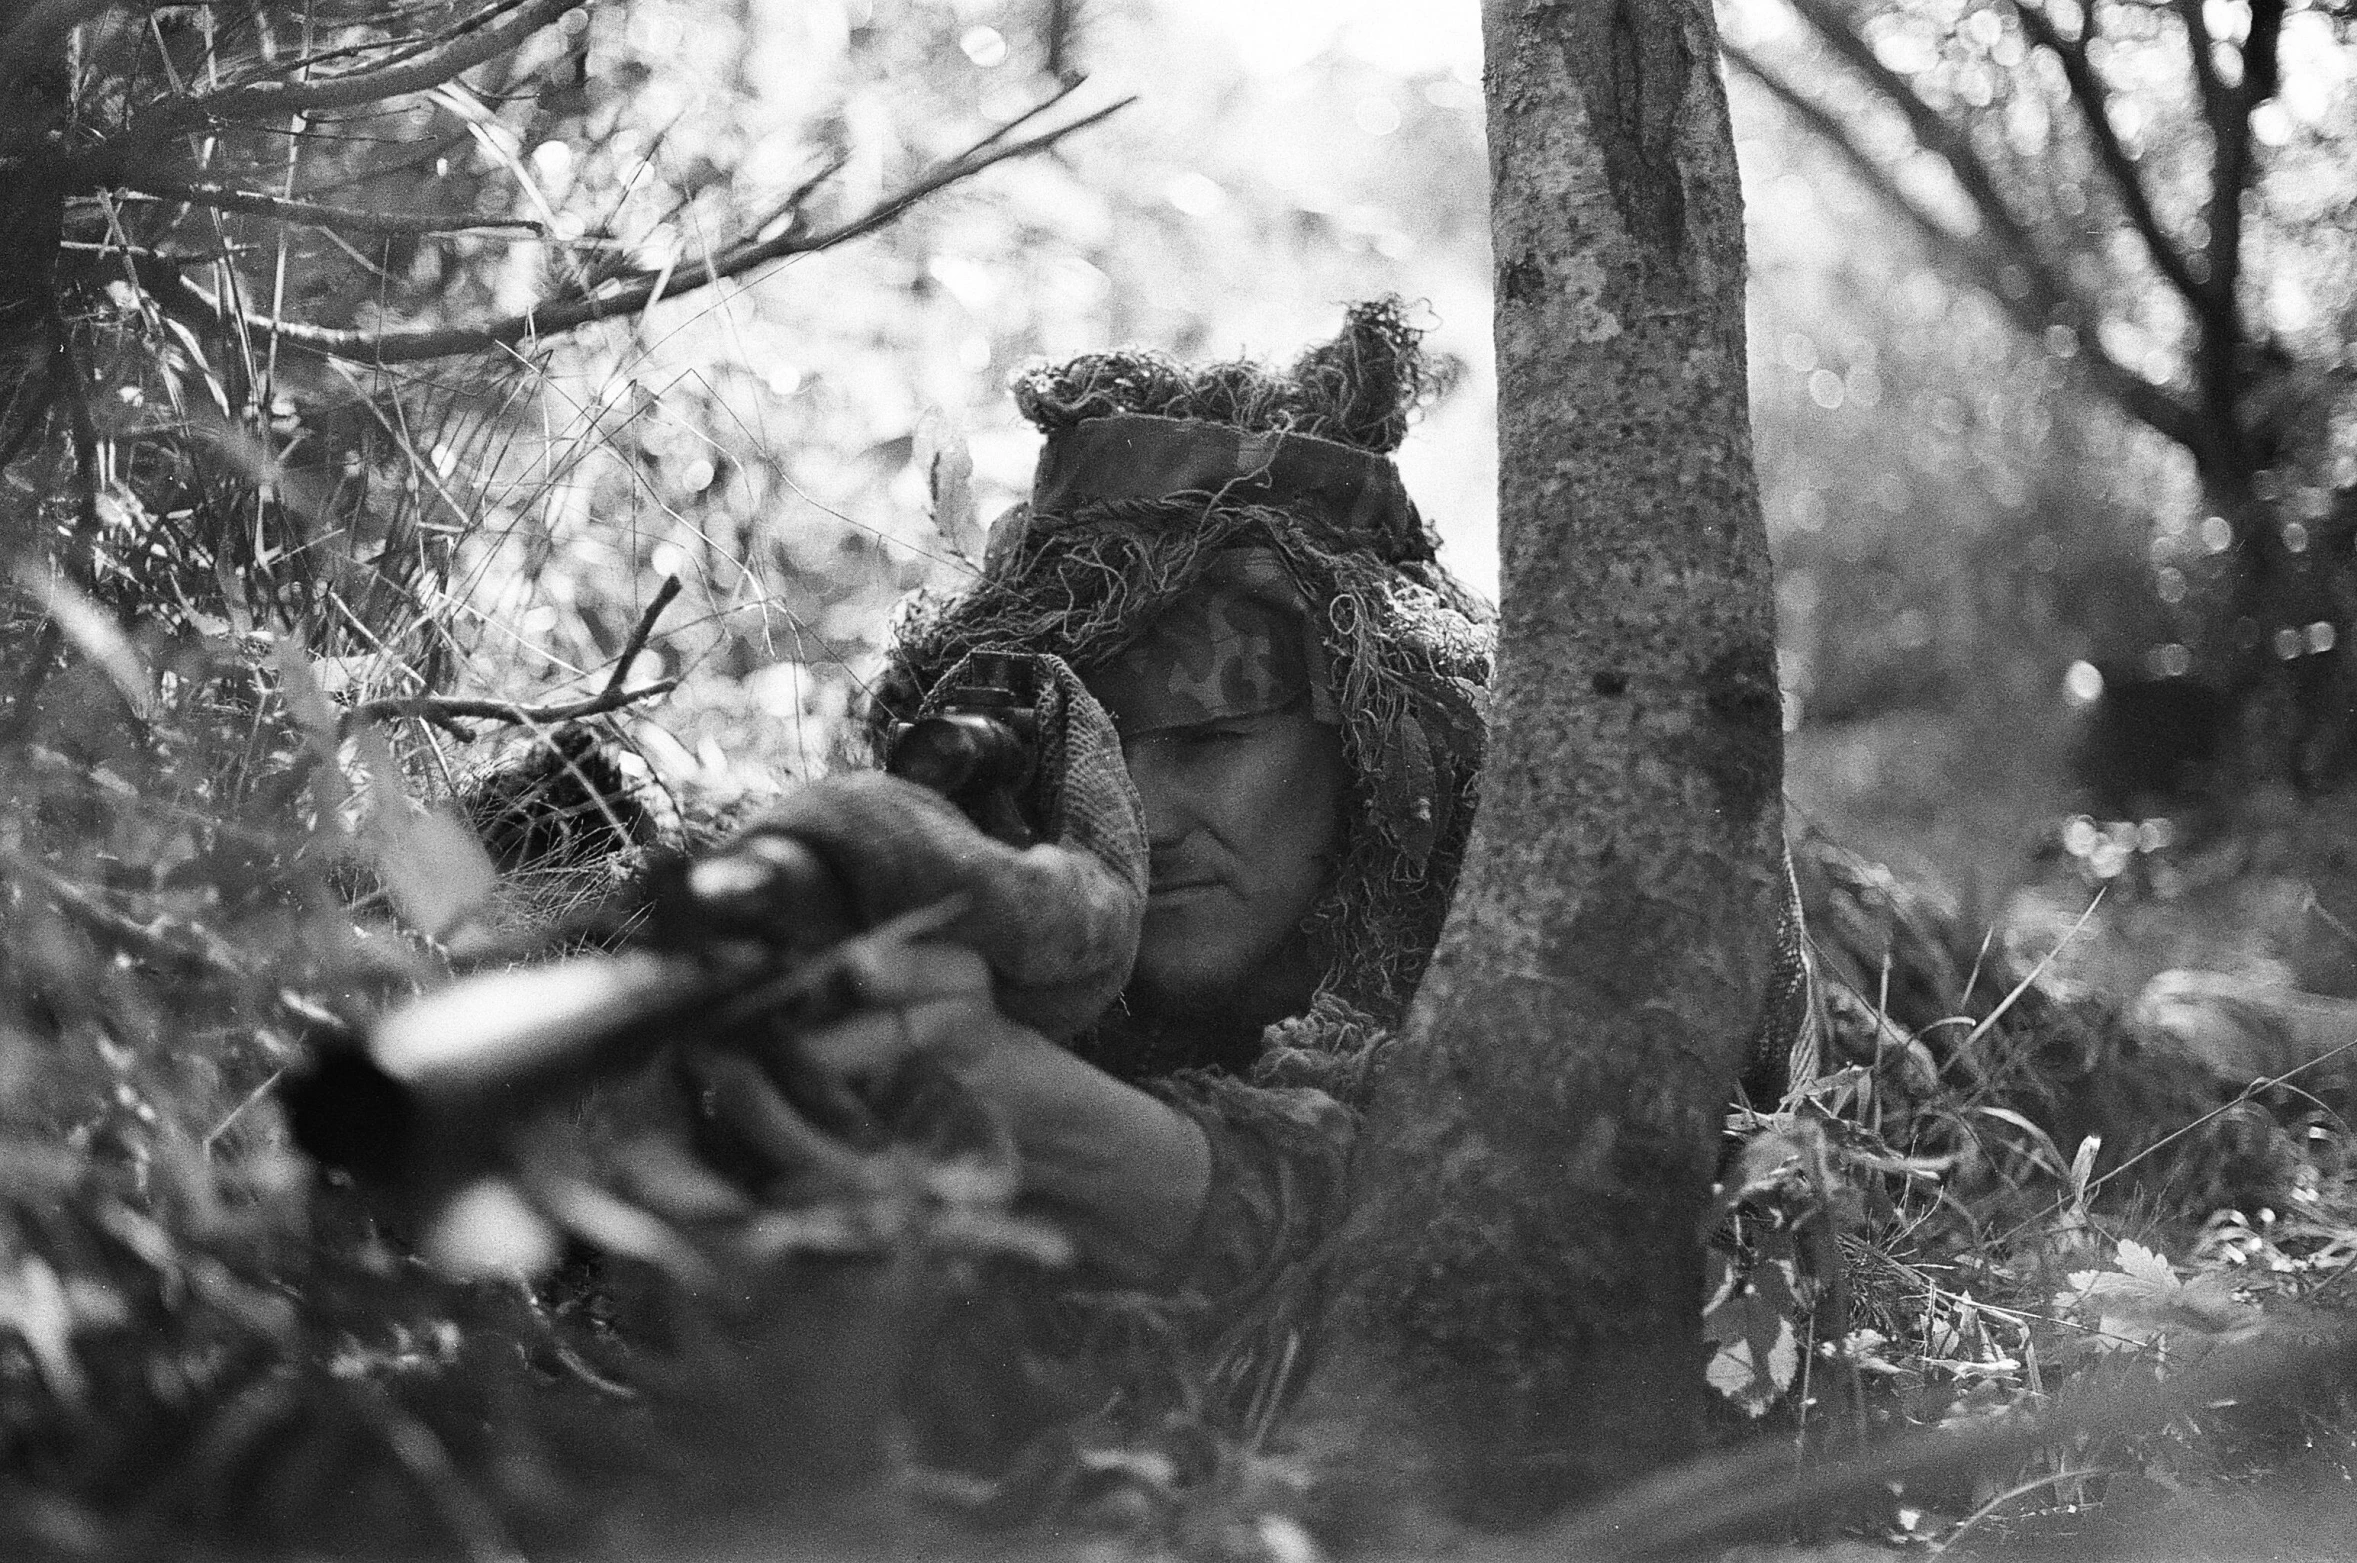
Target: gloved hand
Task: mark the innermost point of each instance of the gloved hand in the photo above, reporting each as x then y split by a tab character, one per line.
1123	1173
1057	923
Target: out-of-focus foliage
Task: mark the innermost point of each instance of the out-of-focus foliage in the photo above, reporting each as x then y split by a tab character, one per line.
203	856
2155	198
266	586
762	441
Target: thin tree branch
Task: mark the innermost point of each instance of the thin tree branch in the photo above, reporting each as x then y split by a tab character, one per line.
1936	134
638	636
637	292
2232	160
2131	392
444	709
2215	96
2090	95
463	49
1058	27
256	204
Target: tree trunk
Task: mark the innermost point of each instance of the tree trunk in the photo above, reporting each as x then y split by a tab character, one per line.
1517	1324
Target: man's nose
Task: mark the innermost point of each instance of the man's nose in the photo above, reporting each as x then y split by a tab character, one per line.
1168	816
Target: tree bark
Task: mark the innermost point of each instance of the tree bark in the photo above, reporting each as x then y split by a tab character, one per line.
1517	1324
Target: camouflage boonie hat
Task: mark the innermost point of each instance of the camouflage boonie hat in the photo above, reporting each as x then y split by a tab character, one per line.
1239	642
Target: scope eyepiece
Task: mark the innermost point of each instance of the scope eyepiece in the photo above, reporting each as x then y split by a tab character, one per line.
960	752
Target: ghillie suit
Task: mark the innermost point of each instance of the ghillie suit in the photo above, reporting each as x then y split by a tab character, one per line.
1081	572
1157	479
1163	489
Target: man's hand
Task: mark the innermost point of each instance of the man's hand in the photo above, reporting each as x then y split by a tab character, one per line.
1124	1172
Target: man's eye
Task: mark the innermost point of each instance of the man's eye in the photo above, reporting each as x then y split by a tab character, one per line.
1207	739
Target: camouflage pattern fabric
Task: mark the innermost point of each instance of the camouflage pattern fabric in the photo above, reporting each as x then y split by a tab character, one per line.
1238	643
1141	456
1190	572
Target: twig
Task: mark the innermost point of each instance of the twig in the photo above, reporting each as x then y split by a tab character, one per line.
2088	92
1935	133
2019	1489
2142	400
84	424
638	636
442	709
239	1111
461	50
286	209
564	314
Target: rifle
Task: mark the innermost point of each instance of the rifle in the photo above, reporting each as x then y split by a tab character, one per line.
739	946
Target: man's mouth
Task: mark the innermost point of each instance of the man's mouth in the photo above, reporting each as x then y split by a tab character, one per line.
1178	883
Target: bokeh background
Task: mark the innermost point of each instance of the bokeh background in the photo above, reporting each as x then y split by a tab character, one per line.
1976	543
2052	318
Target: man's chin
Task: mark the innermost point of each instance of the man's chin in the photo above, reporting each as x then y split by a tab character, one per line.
1206	966
1188	977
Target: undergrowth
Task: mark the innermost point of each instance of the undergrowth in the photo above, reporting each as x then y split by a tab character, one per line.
244	805
2049	1206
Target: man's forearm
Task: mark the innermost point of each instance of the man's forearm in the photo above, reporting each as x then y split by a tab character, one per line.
1125	1172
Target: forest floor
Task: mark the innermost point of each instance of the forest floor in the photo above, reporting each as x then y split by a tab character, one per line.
189	1349
2046	1287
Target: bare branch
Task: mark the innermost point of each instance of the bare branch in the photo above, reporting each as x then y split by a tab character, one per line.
1983	267
2232	163
636	292
638	636
480	40
2217	98
254	203
2089	93
445	709
1936	134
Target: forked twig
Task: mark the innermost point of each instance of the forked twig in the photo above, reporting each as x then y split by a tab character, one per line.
638	636
445	709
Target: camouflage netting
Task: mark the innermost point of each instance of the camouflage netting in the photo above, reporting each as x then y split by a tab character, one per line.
1359	389
1409	647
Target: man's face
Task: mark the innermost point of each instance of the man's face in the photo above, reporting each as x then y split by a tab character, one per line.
1242	820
